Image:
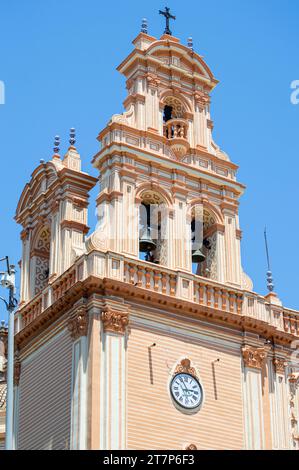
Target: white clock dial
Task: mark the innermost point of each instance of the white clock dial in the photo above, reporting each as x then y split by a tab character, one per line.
186	391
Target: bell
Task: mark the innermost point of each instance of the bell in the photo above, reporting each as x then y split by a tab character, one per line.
198	256
146	243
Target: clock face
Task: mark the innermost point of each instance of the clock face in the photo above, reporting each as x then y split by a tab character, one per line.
186	391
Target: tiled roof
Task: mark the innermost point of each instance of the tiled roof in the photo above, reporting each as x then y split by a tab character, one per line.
3	392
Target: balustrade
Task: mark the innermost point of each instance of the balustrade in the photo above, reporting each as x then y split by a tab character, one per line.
161	280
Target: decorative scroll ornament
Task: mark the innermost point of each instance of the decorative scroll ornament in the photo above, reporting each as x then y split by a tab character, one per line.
114	321
191	447
279	365
254	357
78	323
185	367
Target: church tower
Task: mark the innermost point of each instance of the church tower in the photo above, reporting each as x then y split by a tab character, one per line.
147	334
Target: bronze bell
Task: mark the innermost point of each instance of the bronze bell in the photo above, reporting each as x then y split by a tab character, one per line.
198	256
146	243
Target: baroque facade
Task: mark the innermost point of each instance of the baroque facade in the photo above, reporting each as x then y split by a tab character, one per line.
147	334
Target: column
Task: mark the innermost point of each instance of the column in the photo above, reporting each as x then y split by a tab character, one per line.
25	267
113	379
56	259
78	327
253	361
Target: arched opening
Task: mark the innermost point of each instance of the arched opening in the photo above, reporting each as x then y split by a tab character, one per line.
173	109
175	126
167	115
204	243
152	228
40	259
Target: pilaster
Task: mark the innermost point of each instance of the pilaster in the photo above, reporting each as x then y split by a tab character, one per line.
253	362
78	328
113	379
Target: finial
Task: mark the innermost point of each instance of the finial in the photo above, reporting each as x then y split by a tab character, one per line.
42	160
168	16
270	285
72	140
56	145
190	43
144	26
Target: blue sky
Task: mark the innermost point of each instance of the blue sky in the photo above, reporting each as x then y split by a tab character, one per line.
58	60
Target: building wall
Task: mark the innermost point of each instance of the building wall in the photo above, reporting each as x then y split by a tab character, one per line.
45	396
153	420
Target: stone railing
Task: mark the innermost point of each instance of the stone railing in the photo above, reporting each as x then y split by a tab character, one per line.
176	129
161	280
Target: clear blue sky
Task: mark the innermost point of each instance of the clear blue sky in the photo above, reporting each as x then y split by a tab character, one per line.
58	61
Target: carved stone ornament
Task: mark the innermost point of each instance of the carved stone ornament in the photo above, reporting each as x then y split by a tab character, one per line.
201	98
191	447
185	367
294	378
279	365
114	321
78	323
253	357
152	80
17	371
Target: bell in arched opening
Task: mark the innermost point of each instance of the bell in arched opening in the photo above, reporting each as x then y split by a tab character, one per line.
197	253
146	243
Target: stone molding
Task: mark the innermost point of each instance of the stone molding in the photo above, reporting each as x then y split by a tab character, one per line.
253	357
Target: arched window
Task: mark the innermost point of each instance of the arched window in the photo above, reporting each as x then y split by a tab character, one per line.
40	258
152	228
204	243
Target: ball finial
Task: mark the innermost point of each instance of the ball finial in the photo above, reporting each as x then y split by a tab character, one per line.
72	140
56	145
190	43
144	27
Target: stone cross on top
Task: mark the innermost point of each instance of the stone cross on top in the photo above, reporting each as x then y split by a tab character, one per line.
168	16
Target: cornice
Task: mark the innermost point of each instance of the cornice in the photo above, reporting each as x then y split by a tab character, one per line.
128	292
132	99
203	151
122	148
74	225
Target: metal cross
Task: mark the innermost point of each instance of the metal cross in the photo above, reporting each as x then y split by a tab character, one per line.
168	16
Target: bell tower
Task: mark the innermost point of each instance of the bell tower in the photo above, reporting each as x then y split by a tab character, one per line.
168	193
148	333
53	212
